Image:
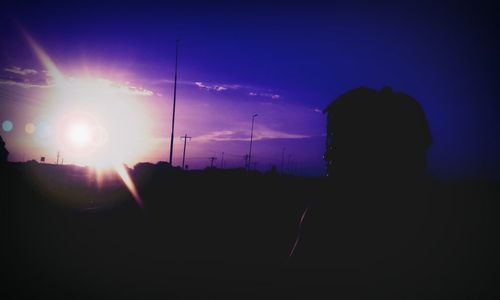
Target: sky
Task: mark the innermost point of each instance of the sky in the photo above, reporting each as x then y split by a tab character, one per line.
111	65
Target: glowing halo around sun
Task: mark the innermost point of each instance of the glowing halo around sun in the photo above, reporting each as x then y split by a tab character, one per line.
101	127
80	135
99	123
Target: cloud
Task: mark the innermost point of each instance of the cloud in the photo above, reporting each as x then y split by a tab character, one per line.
21	71
132	90
268	134
44	79
243	136
26	78
218	87
25	83
251	91
267	95
200	84
170	81
119	87
221	136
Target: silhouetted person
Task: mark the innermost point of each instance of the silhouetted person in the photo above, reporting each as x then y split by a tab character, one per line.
4	154
373	134
363	227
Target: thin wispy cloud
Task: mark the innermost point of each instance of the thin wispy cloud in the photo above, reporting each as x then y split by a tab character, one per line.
25	78
199	84
132	90
267	95
21	71
222	87
217	88
170	81
243	136
44	79
25	83
125	88
139	91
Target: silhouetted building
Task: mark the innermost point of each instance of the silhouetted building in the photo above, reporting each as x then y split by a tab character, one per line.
376	133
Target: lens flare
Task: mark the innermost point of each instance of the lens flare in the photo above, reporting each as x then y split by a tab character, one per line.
43	57
7	125
30	128
122	172
89	114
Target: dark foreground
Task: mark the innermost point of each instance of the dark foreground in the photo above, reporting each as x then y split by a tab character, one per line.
228	234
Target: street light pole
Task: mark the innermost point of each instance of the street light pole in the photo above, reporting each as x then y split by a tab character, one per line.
173	109
251	140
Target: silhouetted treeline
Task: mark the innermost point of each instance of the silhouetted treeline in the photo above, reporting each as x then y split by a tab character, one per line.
4	153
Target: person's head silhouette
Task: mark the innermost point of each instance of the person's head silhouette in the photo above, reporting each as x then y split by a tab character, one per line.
376	134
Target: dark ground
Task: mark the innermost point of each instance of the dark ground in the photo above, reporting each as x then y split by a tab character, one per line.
227	234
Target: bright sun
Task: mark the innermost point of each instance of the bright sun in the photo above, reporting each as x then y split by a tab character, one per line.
100	123
79	134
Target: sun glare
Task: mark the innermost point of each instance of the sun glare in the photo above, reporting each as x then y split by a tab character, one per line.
79	134
122	172
97	122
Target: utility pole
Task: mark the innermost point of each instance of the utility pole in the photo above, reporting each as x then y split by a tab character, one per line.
222	161
282	161
185	137
173	110
251	140
212	159
288	164
57	159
